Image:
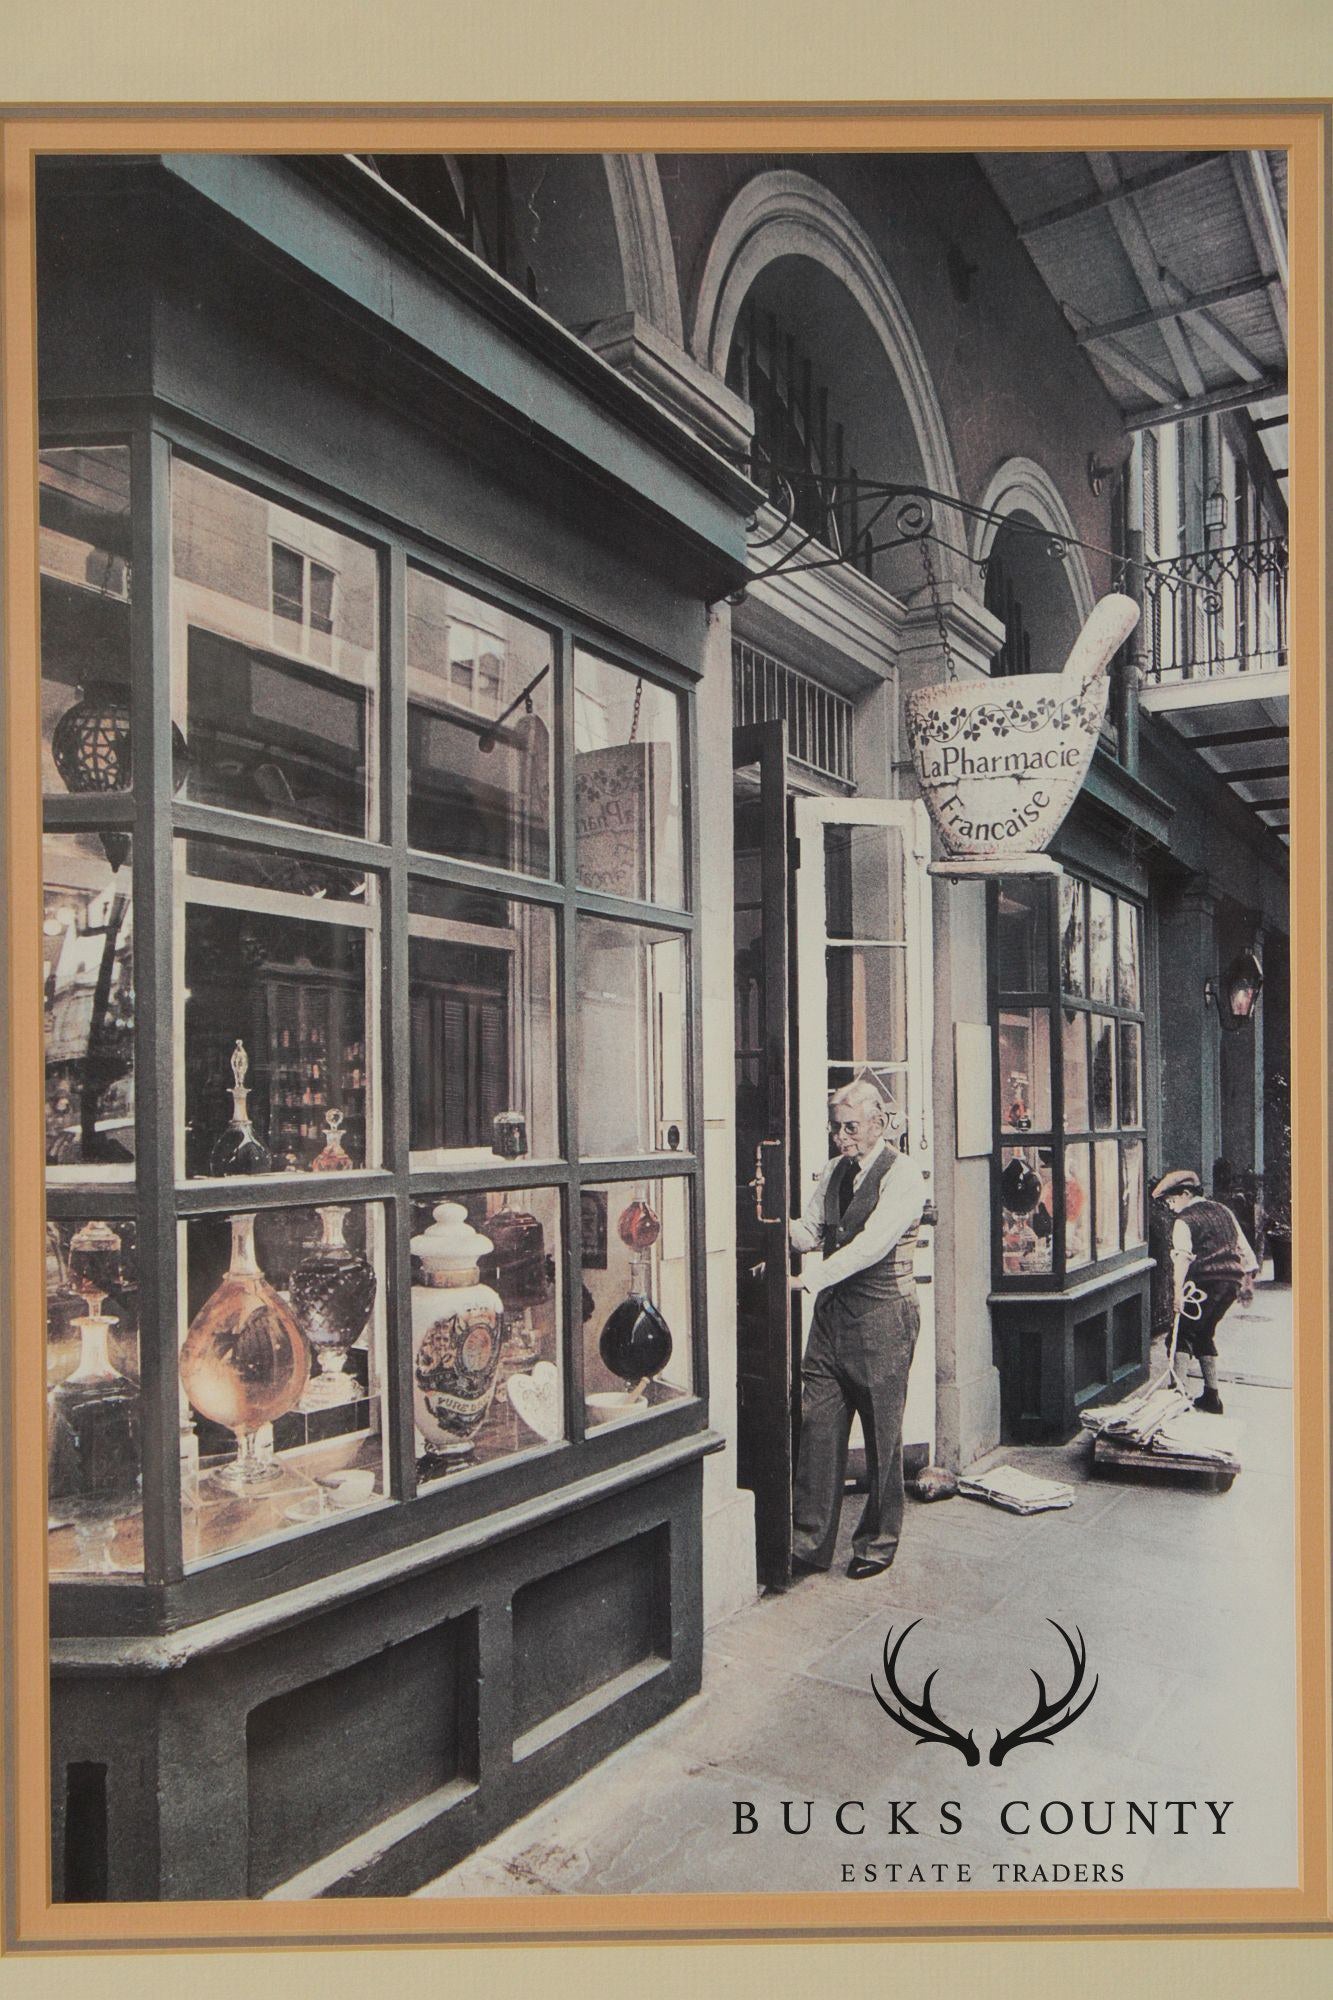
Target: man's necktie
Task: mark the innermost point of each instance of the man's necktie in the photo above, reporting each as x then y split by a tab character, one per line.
845	1191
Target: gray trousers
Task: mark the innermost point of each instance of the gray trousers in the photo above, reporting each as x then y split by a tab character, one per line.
856	1364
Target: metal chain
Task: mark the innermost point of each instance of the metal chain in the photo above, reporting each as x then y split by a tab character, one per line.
638	704
928	564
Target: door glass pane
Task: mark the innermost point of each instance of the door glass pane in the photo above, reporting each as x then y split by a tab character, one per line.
487	1368
1073	930
1128	983
632	1070
867	1003
1022	937
1101	975
627	784
1027	1211
275	650
1075	1045
1108	1197
84	545
93	1421
275	1005
1025	1069
1131	1073
1132	1229
281	1372
1102	1031
88	1010
482	994
1078	1205
636	1298
863	883
481	703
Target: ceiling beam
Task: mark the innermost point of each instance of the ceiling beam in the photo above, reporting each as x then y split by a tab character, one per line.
1271	423
1251	774
1237	397
1268	733
1263	219
1219	295
1088	204
1268	805
1144	262
1209	328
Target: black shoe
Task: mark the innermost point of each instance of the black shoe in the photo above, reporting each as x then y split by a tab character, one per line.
1209	1402
859	1568
800	1567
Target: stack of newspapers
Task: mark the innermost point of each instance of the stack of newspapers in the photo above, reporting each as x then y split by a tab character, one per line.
1164	1422
1017	1492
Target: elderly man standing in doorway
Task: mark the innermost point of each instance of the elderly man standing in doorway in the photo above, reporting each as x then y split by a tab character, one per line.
864	1216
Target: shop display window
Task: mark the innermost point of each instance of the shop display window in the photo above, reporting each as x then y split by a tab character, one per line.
637	1351
303	1037
1072	1195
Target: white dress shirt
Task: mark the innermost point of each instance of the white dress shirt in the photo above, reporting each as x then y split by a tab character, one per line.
902	1197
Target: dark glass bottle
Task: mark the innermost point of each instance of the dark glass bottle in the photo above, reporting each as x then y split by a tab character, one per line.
93	1446
333	1294
239	1149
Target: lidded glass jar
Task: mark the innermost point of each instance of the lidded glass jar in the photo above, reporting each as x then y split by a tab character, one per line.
93	1445
457	1334
333	1294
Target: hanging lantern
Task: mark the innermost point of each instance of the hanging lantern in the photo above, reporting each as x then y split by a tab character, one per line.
91	743
1238	994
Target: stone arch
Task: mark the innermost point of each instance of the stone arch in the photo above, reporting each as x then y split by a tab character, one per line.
1022	486
647	255
789	214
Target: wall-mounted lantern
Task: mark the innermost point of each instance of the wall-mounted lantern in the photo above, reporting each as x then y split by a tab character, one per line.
1237	995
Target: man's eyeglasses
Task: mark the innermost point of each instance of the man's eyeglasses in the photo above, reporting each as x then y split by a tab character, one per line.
851	1126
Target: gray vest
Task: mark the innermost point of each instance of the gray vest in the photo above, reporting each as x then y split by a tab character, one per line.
892	1277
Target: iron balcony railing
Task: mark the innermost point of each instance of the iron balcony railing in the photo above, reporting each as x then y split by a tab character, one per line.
1215	612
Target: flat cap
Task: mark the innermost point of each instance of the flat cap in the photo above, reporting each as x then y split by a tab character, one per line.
1181	1180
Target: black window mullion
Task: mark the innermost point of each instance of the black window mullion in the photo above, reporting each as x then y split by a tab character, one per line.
155	1053
395	1079
567	1119
694	1021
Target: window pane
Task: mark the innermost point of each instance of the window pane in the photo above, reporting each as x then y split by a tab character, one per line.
636	1298
1102	1030
1100	962
1022	937
1025	1069
1075	1045
1128	984
93	1423
88	1010
85	618
1078	1205
482	986
632	1044
1108	1197
863	882
867	1003
480	707
487	1368
1132	1229
1073	927
1027	1210
627	783
284	976
1131	1073
281	1372
273	694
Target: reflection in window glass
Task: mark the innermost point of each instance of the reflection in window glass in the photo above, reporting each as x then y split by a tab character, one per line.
632	1044
1073	927
867	1003
1129	992
281	1372
482	995
1022	937
1101	978
1075	1045
1025	1069
1102	1030
636	1298
1108	1197
1131	1073
88	1005
284	975
275	636
1027	1211
627	784
1078	1205
488	1378
84	545
863	883
93	1426
481	699
1133	1231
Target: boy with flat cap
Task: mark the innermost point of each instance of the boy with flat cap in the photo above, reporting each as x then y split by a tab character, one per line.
1208	1247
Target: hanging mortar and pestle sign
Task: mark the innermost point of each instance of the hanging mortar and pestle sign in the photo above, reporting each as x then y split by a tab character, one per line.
998	770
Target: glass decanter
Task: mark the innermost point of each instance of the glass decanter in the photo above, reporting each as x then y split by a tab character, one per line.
238	1149
333	1294
245	1362
94	1263
92	1446
636	1340
334	1158
65	1307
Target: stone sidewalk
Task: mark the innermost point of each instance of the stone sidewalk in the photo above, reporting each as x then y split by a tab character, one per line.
1185	1600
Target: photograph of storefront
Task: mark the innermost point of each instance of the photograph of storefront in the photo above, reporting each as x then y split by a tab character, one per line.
482	599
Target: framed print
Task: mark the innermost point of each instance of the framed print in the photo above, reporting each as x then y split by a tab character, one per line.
757	676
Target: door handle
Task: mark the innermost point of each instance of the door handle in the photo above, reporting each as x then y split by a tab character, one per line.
761	1180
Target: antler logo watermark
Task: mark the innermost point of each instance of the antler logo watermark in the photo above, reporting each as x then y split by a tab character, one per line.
921	1719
